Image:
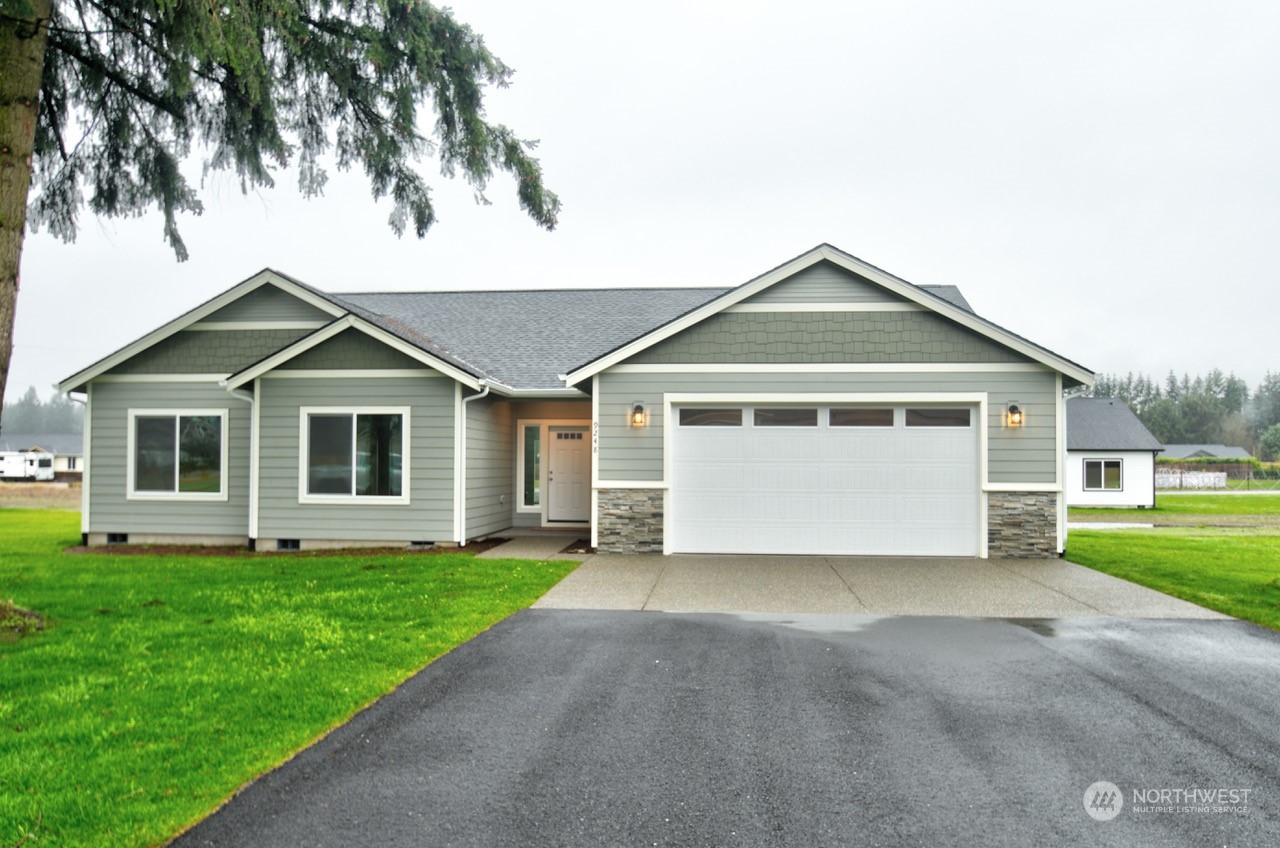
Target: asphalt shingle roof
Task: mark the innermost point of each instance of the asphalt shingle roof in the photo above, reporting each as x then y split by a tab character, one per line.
1106	424
525	339
1211	451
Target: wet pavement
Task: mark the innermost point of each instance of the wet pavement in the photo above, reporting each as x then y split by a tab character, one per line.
591	728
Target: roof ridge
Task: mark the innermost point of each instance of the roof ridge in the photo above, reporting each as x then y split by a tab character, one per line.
541	290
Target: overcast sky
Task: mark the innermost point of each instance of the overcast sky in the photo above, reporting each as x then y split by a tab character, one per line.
1100	177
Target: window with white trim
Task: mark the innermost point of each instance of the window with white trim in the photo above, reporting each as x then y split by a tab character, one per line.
1103	475
177	454
359	454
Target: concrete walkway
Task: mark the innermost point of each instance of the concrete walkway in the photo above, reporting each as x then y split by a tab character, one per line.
999	588
535	546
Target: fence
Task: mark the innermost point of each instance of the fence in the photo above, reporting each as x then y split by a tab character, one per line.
1208	476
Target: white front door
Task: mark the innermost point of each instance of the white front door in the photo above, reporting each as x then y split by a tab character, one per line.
569	475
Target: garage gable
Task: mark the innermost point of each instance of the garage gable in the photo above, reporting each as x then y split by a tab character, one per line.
828	306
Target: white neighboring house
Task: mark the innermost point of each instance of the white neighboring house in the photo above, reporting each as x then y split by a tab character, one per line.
1110	455
63	451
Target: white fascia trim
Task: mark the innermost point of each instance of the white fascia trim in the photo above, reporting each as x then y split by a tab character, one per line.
406	452
230	326
1060	414
161	378
349	321
631	484
849	263
186	320
833	368
871	306
1021	487
535	394
133	413
348	373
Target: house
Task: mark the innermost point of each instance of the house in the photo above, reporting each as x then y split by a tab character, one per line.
1205	452
824	407
66	450
1110	455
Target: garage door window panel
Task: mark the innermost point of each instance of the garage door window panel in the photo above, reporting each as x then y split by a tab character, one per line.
778	417
937	417
861	418
711	418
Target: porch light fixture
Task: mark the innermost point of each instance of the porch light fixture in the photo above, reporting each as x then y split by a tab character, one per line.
637	414
1014	415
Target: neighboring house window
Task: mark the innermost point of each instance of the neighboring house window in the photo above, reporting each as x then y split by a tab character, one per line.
354	454
178	454
71	463
1103	475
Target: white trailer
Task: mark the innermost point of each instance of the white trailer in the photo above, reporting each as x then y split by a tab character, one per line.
26	465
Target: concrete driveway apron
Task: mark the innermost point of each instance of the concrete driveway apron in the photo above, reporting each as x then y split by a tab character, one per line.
1001	588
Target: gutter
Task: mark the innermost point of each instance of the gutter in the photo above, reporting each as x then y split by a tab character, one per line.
462	481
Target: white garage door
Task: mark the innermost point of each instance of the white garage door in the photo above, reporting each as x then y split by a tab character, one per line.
888	480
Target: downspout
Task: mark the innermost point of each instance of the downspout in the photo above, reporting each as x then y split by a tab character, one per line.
462	483
241	394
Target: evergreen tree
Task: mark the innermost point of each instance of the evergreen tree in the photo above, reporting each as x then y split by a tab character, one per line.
102	100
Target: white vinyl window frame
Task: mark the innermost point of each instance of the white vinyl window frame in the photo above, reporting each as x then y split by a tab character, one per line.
131	493
1102	462
304	452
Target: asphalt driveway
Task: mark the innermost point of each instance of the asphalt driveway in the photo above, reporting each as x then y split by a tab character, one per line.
591	728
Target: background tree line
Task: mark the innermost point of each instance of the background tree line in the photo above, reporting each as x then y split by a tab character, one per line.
32	417
1214	408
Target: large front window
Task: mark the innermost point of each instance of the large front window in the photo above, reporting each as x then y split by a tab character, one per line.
354	454
178	454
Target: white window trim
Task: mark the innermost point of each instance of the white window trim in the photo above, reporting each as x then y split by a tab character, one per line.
1084	473
130	460
304	445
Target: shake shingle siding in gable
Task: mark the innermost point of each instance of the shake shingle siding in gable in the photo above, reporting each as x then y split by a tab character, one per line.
208	352
350	350
798	337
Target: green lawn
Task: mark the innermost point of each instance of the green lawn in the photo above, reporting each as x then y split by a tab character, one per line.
163	683
1208	505
1235	574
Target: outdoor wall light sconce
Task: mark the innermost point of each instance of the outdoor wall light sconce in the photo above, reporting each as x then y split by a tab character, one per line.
637	414
1014	415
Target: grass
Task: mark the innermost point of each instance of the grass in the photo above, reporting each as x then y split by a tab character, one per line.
161	684
1235	574
1206	505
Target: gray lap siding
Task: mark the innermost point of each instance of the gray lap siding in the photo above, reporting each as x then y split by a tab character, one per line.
111	510
428	516
1027	455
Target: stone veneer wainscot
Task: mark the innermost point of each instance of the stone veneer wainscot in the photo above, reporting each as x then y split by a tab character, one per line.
1022	524
629	521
